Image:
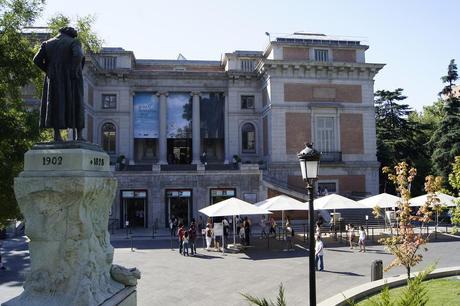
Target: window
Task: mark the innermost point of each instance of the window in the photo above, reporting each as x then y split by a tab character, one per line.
321	55
249	138
247	65
109	138
325	135
109	62
326	188
109	101
247	102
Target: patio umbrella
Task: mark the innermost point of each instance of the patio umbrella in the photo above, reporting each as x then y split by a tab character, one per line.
233	207
445	200
383	200
282	203
335	201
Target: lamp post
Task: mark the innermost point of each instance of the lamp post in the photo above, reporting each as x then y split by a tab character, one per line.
309	165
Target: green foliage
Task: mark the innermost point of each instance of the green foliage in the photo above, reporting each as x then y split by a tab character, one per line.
398	137
383	299
280	300
19	127
445	141
415	293
89	39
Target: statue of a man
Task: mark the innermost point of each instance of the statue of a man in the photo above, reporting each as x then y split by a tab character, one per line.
62	59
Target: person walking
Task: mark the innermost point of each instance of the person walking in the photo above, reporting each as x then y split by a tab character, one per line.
289	237
192	237
247	229
273	226
263	225
362	239
319	246
180	236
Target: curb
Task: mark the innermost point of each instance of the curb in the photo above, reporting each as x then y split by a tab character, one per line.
366	290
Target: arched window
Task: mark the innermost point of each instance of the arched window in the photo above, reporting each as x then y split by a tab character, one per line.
248	136
109	136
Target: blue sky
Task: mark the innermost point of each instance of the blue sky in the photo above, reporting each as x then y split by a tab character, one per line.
415	39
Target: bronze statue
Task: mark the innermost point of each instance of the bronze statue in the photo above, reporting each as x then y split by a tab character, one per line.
62	59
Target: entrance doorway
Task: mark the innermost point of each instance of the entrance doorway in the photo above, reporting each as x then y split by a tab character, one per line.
179	150
179	205
134	209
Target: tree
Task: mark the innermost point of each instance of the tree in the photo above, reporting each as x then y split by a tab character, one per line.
445	141
406	243
398	138
89	39
454	180
19	126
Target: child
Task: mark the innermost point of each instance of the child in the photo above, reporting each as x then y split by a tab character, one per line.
185	242
351	234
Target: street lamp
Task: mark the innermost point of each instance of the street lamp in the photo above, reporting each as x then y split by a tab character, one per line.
309	165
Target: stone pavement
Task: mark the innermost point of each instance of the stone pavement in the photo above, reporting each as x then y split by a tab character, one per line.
213	278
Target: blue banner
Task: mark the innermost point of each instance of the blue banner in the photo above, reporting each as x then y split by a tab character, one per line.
146	115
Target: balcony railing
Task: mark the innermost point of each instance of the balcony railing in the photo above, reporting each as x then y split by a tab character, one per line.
331	157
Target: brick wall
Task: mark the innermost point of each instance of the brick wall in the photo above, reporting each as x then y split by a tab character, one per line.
347	183
343	55
290	53
298	131
351	134
296	92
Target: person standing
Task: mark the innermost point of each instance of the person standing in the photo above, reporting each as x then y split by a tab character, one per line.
319	246
351	235
362	239
208	234
180	235
185	241
192	237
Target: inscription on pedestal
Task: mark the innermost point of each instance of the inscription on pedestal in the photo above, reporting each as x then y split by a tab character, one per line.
66	160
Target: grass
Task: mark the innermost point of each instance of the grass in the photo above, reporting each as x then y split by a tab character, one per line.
445	292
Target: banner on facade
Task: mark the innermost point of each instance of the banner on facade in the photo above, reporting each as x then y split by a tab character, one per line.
145	115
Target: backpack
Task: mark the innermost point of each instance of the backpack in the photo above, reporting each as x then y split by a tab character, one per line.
208	232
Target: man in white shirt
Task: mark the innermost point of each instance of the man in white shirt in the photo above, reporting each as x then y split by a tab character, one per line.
319	253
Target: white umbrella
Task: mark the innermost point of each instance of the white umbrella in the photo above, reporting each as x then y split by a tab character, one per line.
282	203
444	200
233	207
335	201
383	200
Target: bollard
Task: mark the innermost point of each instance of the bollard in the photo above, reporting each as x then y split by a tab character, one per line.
376	270
132	248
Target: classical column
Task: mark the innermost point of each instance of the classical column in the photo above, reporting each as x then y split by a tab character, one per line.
228	158
163	124
196	137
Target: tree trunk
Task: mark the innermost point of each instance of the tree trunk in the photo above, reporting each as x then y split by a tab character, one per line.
408	273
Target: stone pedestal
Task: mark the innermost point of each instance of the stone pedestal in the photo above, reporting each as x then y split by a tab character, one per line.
65	193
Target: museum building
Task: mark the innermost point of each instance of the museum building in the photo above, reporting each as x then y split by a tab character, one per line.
184	134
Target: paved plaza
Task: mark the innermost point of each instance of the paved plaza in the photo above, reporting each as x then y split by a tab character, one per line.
213	278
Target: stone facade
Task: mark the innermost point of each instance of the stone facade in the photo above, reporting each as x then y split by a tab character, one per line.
299	89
